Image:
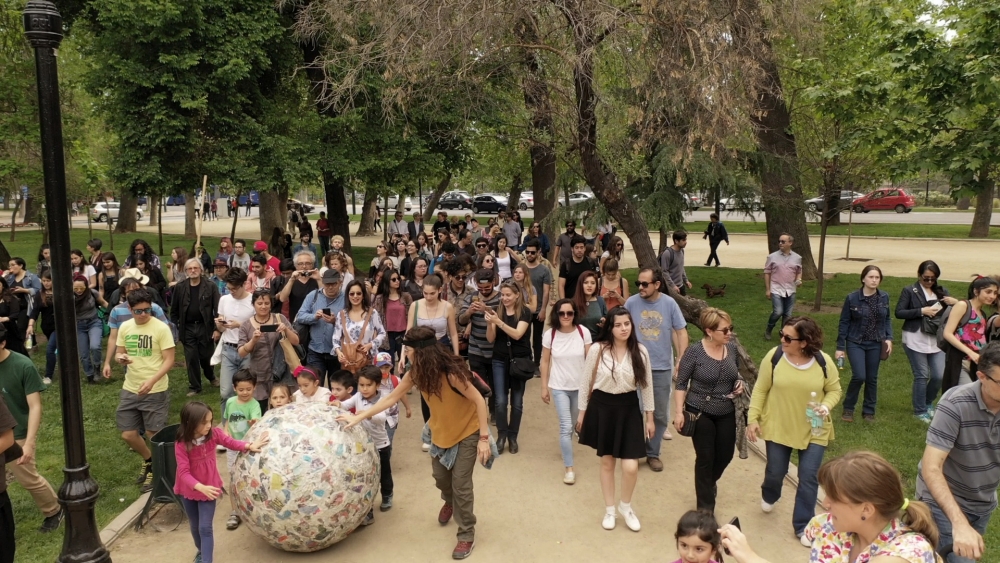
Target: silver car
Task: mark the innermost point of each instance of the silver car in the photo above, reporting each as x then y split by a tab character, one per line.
101	211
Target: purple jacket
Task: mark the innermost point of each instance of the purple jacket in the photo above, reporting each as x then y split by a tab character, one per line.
198	465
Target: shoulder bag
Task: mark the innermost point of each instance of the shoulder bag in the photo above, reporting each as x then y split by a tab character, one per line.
521	369
354	358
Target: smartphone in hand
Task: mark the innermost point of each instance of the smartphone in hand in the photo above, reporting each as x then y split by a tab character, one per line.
269	328
734	522
326	312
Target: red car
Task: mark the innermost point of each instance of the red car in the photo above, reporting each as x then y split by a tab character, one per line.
884	199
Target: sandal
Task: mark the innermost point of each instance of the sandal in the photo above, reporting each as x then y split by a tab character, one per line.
233	522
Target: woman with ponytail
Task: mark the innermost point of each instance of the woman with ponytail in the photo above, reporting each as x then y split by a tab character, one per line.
867	513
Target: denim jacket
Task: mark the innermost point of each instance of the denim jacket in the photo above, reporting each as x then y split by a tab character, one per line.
854	315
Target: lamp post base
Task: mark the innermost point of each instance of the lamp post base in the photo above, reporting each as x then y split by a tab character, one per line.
78	497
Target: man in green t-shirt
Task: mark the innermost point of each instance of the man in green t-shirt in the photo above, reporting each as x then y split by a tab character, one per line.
22	391
146	345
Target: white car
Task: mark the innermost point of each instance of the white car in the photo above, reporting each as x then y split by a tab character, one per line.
394	201
101	211
526	202
577	197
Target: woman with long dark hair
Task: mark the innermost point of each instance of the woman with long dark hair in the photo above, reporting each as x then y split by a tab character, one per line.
357	322
458	430
507	328
613	425
614	249
505	259
43	308
535	232
13	317
406	265
393	305
968	338
415	281
44	259
141	249
89	326
925	299
865	331
107	278
590	304
82	267
156	279
261	346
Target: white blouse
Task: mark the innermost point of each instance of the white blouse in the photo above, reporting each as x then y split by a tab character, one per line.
614	377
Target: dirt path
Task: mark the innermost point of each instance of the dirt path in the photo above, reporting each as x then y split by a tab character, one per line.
524	510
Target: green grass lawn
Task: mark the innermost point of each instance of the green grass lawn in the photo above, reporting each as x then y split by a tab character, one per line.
914	230
895	434
26	243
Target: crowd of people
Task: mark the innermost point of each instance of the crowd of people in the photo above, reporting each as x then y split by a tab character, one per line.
468	316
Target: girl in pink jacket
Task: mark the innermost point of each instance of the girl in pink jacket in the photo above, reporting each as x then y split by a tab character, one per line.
198	482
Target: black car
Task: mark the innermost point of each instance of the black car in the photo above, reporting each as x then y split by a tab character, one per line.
455	200
488	204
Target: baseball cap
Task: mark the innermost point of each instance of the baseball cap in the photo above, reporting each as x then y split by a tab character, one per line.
259	246
221	262
331	276
484	275
383	359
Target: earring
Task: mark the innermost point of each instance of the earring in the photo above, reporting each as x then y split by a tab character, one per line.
864	518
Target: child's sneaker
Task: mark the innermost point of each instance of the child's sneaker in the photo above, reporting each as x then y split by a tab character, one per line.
233	522
386	503
369	519
146	471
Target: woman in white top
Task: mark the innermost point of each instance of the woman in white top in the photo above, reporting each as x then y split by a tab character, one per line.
615	368
357	310
381	253
234	309
438	314
82	267
399	254
564	357
505	259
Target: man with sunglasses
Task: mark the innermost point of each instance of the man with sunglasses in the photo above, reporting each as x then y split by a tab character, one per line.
473	313
398	226
458	271
565	244
782	277
146	346
541	281
661	327
960	469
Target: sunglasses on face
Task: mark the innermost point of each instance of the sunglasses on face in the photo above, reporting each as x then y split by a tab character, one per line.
725	330
394	279
460	277
147	311
929	279
788	339
531	252
643	284
567	314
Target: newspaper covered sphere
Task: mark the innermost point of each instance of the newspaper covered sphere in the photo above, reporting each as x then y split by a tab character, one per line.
313	483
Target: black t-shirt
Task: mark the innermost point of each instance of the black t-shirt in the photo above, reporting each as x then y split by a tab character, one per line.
521	348
441	225
298	295
192	315
572	272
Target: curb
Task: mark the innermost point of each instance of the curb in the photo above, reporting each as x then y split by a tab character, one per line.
124	521
876	238
792	477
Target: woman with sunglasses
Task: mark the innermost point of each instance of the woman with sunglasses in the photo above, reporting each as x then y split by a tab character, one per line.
507	328
357	315
564	358
803	374
865	330
381	253
615	249
924	299
393	305
708	378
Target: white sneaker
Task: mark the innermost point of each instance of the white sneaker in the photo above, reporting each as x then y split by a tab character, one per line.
569	478
805	541
767	508
425	447
631	520
609	521
667	435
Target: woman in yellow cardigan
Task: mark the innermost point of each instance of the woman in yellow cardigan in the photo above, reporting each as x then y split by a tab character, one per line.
778	406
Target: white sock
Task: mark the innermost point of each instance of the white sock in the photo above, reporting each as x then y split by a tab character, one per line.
611	510
625	506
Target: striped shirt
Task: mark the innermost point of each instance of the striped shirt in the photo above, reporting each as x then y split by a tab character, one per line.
479	345
970	433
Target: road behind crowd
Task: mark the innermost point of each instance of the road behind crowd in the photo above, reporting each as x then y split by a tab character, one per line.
524	511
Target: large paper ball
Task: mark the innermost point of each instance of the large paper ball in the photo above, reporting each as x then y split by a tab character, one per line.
312	485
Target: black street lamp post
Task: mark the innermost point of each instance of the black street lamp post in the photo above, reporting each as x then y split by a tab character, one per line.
78	494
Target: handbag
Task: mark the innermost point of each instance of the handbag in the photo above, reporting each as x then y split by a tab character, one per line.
479	383
690	421
521	369
354	358
884	351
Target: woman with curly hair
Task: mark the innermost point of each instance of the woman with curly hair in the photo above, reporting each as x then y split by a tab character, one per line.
458	427
140	248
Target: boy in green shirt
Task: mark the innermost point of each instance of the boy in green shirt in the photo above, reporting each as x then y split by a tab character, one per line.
242	411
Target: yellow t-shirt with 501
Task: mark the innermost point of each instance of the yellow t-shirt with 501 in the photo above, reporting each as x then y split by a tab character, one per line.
144	345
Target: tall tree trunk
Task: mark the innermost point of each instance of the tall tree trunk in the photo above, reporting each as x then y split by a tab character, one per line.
154	210
597	174
435	198
984	205
190	230
336	207
516	187
271	204
779	177
32	206
127	207
369	210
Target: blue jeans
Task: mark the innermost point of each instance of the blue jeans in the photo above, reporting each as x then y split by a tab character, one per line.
778	456
781	308
502	387
661	410
568	411
88	340
928	370
231	363
51	349
864	358
200	515
977	521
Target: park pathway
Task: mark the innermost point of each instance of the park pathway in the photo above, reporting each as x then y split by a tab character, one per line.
525	512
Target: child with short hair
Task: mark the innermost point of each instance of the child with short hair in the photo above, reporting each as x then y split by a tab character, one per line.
342	385
310	390
281	395
698	539
383	361
241	412
369	378
197	480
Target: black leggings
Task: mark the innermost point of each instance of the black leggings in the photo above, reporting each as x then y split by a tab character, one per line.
6	529
714	442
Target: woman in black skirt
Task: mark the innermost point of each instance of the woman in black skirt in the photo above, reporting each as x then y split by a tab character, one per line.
616	366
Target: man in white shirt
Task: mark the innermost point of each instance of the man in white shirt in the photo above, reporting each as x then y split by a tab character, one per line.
398	226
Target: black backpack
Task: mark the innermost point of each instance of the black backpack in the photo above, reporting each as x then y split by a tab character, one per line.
778	353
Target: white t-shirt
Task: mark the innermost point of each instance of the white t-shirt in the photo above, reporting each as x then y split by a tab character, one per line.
322	395
568	359
233	309
920	341
87	271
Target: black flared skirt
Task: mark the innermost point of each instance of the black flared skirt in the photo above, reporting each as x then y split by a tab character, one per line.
613	425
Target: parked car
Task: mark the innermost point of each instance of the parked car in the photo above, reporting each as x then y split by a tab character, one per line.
847	197
577	197
526	202
175	200
489	204
692	202
884	199
731	203
394	201
455	200
101	211
302	205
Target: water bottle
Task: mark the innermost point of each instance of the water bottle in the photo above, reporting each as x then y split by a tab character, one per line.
840	362
815	420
